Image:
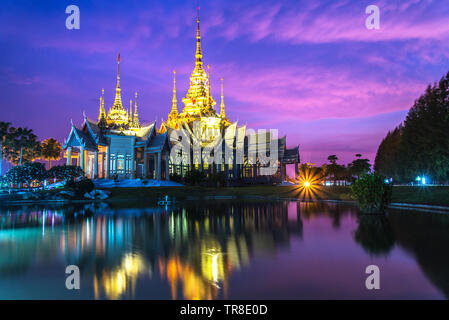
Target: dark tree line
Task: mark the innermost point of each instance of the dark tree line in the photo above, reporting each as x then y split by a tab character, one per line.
420	145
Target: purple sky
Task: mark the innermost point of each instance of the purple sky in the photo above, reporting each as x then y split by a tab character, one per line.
308	68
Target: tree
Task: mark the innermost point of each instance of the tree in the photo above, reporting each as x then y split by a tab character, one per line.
387	160
332	159
421	145
5	136
51	149
359	166
372	193
334	170
67	173
24	146
28	173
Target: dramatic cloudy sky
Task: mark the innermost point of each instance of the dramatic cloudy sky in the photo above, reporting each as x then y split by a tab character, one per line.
308	68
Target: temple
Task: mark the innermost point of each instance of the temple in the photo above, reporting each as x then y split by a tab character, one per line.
117	145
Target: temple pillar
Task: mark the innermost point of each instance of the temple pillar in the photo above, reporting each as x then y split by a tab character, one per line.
69	156
167	166
95	171
159	165
227	170
82	164
145	165
108	163
133	165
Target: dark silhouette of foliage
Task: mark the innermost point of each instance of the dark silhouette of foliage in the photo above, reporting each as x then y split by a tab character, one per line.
372	193
66	173
28	173
359	166
375	234
51	149
421	145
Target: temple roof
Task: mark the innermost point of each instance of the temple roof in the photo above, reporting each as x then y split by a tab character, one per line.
157	142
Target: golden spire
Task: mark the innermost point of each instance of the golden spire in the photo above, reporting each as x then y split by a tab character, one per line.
198	101
174	108
117	115
208	86
130	119
136	122
225	119
222	105
118	97
198	54
102	114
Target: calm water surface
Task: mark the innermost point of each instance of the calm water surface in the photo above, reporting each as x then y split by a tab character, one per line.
222	250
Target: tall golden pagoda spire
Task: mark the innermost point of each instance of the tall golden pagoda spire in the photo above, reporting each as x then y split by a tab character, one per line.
130	115
102	113
174	108
208	86
136	122
172	120
222	107
198	54
118	96
117	115
197	101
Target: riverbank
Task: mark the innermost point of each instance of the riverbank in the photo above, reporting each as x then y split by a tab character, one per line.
429	195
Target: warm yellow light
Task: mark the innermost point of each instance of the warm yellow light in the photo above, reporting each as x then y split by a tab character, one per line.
306	184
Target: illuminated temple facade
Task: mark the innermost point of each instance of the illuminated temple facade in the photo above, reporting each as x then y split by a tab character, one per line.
117	145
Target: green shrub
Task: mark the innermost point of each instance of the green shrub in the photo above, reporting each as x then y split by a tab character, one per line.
175	177
80	187
84	185
372	193
66	173
27	173
194	177
217	179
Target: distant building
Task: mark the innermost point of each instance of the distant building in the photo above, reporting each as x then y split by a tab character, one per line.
118	145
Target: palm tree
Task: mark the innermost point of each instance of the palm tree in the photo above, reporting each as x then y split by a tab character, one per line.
4	137
332	159
51	149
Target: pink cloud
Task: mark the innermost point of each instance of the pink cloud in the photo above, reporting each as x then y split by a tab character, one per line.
321	22
310	93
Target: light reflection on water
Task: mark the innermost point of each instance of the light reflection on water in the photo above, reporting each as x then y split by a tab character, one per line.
220	250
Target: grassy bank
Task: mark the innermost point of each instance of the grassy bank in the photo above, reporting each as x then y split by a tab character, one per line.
417	195
192	193
149	196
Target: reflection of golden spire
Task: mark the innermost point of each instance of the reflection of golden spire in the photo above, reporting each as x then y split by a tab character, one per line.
174	108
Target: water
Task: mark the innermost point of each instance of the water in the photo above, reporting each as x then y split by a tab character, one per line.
222	250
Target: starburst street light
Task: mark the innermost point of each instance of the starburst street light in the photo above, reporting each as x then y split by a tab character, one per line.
309	181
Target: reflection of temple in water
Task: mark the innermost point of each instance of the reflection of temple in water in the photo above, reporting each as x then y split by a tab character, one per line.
195	249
